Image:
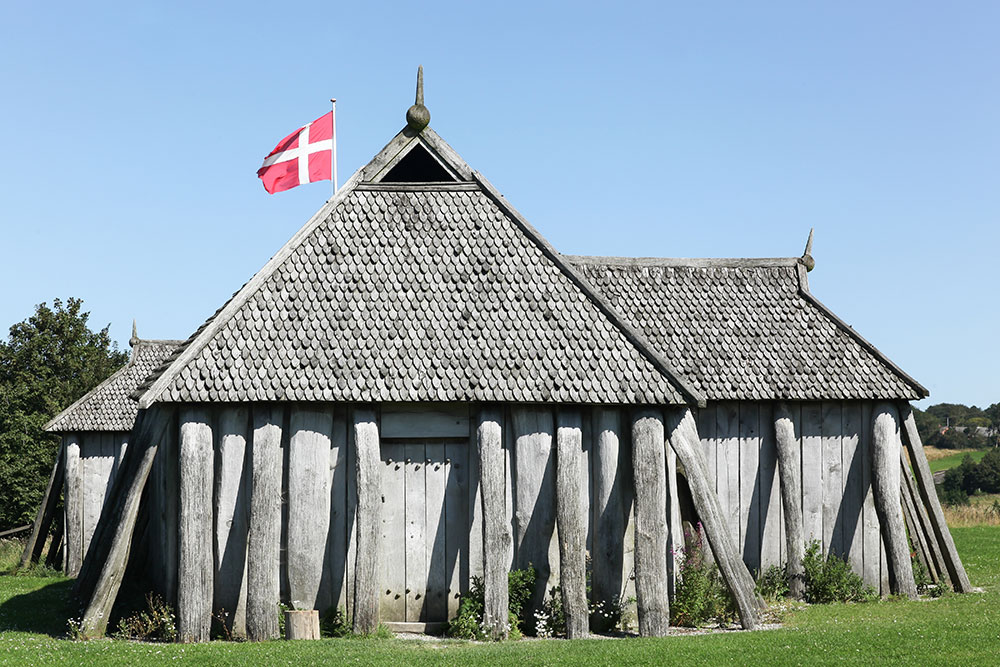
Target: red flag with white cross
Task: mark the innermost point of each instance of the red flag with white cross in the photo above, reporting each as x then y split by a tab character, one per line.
304	156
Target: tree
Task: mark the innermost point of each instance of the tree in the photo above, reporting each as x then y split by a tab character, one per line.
49	360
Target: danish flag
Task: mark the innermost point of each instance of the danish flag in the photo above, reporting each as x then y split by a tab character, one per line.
304	156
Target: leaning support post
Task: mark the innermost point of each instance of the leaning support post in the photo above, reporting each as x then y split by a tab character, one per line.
195	566
650	476
683	435
496	530
46	510
939	571
925	485
571	521
916	536
109	558
369	486
789	464
885	489
264	533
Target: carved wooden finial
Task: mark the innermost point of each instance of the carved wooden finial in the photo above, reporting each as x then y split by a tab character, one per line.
417	116
135	335
807	257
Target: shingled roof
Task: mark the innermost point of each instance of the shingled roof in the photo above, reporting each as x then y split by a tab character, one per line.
401	291
109	406
746	329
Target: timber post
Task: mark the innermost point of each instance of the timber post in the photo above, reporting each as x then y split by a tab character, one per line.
264	533
195	566
612	471
925	485
369	486
885	488
571	522
73	507
939	571
496	532
649	472
789	465
683	436
46	510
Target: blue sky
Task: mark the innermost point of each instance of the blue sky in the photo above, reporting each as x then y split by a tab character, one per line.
132	136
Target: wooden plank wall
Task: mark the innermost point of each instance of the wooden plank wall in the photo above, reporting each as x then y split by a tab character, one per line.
838	510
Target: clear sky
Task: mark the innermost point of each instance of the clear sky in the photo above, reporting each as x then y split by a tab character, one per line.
132	133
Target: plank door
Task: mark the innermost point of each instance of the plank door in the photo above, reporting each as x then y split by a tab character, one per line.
424	528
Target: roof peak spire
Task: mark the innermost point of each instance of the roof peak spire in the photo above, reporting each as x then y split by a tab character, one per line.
135	335
807	258
417	116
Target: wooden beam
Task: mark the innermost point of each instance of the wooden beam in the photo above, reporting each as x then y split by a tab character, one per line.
232	517
649	473
791	497
612	504
885	487
308	504
46	509
264	537
195	566
496	530
925	485
73	506
571	520
109	558
683	436
916	535
54	558
369	490
938	570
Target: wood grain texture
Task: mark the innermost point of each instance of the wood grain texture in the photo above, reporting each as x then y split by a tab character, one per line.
683	436
73	504
938	570
232	518
46	510
302	624
571	517
435	532
770	492
264	537
335	582
496	535
871	532
853	498
650	479
456	511
750	492
885	483
308	505
366	570
612	476
393	534
727	435
789	453
195	566
812	471
416	564
925	486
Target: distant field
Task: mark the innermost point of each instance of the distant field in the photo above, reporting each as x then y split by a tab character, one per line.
942	459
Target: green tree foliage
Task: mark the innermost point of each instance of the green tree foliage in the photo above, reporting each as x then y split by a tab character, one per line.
969	478
48	361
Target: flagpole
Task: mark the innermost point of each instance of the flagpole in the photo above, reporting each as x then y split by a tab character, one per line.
333	153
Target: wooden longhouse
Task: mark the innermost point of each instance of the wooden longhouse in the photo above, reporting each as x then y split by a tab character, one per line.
418	389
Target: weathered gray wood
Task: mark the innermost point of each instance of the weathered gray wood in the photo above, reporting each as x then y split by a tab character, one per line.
308	504
683	436
435	482
73	504
885	483
169	459
98	459
416	523
264	537
232	519
675	528
534	502
938	569
925	485
749	469
811	435
727	480
914	532
366	571
871	532
393	532
833	477
475	499
302	624
649	473
456	511
791	497
352	511
850	507
340	470
496	530
195	569
99	588
770	498
54	557
571	517
46	510
418	420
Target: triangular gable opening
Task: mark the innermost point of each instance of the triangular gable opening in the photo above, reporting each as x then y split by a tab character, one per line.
418	166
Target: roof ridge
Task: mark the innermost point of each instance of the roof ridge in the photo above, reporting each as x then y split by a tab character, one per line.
695	262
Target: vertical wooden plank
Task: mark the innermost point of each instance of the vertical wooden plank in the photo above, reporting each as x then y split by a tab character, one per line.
571	518
97	466
771	532
232	518
675	530
416	523
475	514
649	473
507	438
870	526
886	448
352	512
727	435
456	511
308	504
436	479
706	429
833	478
495	530
749	469
196	571
121	444
340	470
812	471
170	458
534	504
367	483
853	487
394	530
73	503
264	535
610	513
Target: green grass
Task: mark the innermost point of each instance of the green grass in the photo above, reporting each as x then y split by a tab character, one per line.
955	459
956	629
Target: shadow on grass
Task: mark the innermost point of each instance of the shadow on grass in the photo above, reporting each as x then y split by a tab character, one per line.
42	611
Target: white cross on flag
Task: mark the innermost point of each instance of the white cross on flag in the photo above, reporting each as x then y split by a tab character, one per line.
304	156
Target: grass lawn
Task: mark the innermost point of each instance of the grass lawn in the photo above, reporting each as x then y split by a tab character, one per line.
952	460
957	629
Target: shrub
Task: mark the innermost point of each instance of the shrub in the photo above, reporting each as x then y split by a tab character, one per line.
550	620
772	585
335	624
700	595
468	621
154	624
831	579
